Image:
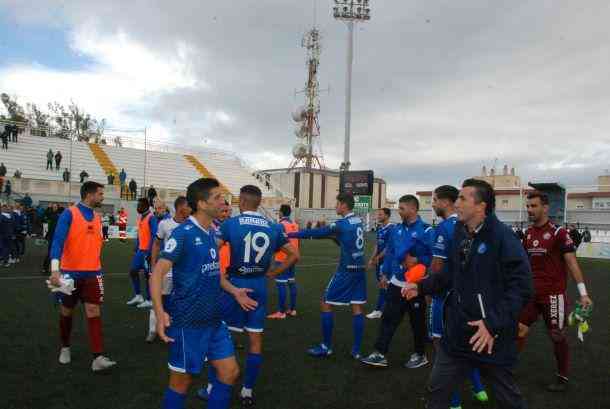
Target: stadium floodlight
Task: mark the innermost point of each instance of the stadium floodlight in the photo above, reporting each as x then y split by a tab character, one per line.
351	12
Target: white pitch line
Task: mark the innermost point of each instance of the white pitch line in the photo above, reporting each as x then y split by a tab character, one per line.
44	277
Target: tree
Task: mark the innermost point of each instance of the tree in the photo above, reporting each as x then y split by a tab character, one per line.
15	111
38	120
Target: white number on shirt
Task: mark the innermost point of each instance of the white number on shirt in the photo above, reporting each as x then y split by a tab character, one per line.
359	238
251	244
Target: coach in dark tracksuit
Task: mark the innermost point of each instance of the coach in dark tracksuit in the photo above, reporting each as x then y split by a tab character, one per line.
489	282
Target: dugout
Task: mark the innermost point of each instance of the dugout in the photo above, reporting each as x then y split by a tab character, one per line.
557	200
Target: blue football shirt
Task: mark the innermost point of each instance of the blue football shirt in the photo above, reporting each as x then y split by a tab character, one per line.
349	232
196	276
253	240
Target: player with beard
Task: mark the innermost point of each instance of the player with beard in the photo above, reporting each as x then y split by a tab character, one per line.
552	255
75	255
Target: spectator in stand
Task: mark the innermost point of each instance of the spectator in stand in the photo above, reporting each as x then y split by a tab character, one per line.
83	176
586	236
8	189
50	159
27	201
152	194
2	169
66	175
133	188
17	174
111	178
4	138
58	158
122	177
14	133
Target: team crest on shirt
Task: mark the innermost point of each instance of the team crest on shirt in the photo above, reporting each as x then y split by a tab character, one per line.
414	235
546	236
189	227
482	248
170	245
213	254
535	243
440	239
198	241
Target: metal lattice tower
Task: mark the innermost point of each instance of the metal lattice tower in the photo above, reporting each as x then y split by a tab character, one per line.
307	151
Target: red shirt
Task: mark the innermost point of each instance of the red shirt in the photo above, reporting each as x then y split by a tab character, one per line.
546	246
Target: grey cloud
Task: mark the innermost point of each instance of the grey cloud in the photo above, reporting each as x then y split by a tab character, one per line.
439	87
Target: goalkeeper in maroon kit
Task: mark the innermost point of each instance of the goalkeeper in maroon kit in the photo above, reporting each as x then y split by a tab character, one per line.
552	255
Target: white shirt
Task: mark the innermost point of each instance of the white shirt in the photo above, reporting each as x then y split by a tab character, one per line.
164	231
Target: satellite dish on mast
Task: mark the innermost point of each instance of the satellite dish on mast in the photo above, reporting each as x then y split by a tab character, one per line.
300	131
299	114
299	151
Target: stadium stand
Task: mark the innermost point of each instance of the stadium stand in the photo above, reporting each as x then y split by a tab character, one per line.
30	157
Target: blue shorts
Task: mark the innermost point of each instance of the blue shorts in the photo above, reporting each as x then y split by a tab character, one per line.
139	262
237	318
346	288
435	318
192	346
286	276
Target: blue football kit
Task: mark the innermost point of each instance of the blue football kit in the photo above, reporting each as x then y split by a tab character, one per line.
253	240
196	316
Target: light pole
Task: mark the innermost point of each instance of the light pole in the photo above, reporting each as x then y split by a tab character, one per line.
351	12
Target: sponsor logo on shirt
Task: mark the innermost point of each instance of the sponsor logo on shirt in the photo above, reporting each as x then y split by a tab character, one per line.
170	245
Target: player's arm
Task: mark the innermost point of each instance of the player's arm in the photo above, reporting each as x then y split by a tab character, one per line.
374	258
154	225
240	294
292	256
319	233
154	254
59	238
576	273
161	268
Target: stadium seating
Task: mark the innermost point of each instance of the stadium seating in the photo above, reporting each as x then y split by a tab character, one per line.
30	157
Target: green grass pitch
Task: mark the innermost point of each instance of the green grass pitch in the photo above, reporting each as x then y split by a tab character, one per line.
31	377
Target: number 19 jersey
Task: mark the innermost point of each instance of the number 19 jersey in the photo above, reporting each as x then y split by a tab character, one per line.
253	240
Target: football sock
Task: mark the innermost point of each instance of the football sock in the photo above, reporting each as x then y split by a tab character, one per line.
173	399
293	295
65	329
327	328
475	378
152	321
358	328
456	401
220	397
95	335
380	299
146	287
281	296
135	281
253	366
562	355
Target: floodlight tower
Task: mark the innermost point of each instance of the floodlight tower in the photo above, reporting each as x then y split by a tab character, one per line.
351	12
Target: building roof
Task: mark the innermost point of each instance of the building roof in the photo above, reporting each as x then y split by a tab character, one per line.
586	195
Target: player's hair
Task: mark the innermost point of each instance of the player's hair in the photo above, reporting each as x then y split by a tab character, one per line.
409	199
144	202
544	198
387	211
347	199
251	194
447	192
180	201
89	187
200	190
483	193
285	210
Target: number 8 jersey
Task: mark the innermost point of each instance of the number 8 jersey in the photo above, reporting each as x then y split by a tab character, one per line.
349	232
253	240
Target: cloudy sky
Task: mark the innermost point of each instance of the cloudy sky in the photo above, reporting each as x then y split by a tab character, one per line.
440	87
